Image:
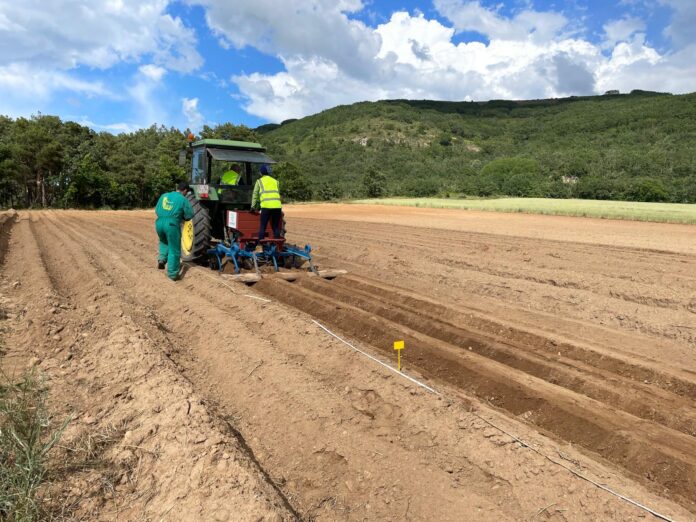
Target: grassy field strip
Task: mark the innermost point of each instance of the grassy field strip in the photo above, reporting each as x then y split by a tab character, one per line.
637	211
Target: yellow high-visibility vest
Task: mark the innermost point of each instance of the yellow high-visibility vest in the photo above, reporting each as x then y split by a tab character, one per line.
230	178
269	193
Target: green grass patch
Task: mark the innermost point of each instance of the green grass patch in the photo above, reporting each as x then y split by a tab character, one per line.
27	435
637	211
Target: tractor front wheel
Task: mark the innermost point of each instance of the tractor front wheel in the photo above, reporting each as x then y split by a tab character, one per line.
195	234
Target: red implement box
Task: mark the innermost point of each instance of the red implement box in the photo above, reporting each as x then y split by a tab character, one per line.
246	223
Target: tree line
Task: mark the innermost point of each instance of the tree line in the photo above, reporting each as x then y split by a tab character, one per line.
45	162
637	147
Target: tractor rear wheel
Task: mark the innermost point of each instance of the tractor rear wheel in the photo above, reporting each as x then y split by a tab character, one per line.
195	234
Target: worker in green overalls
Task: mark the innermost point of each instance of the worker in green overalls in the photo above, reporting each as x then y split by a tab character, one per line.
172	209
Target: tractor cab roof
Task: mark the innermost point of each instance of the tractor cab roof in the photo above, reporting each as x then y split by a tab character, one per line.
229	144
231	150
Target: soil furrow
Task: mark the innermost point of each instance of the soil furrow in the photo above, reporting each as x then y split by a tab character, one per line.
601	365
627	303
199	297
336	435
657	455
640	400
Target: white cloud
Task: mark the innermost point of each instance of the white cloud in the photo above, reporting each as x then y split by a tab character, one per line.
62	34
23	89
331	59
528	24
307	87
153	72
417	59
24	80
309	29
117	128
622	30
189	108
145	92
45	42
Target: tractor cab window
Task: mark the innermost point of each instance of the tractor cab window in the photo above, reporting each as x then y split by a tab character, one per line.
198	176
217	169
220	171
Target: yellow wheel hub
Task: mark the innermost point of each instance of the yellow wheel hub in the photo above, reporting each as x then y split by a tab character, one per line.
187	238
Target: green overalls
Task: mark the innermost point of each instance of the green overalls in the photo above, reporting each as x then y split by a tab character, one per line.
172	208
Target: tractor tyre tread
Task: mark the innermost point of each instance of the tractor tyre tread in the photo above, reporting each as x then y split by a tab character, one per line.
201	229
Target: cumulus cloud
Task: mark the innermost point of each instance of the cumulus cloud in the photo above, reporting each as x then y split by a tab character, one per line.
45	42
311	29
189	108
622	30
418	59
527	24
332	59
62	34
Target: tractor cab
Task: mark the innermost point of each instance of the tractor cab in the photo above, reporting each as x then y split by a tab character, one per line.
211	159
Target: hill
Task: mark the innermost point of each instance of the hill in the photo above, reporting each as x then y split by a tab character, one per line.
634	147
638	147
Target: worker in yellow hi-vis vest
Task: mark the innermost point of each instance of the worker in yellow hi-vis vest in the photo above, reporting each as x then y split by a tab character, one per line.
266	197
232	176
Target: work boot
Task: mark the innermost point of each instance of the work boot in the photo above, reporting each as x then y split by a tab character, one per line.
161	264
182	270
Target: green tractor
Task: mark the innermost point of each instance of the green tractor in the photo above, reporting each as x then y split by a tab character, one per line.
217	206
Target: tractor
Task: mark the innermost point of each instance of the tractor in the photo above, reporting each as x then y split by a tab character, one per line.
224	227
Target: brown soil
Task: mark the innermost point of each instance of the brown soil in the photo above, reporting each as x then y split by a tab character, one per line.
7	219
576	335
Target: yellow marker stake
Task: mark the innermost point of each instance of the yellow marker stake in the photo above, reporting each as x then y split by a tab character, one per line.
398	346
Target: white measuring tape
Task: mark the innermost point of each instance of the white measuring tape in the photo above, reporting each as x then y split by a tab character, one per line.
402	374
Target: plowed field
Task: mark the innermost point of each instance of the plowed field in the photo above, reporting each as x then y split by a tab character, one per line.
556	345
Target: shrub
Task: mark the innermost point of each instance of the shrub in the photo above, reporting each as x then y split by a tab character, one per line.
646	189
420	188
327	192
294	186
374	183
445	139
595	187
515	177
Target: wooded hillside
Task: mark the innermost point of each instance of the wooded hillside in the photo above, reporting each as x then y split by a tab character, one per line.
638	147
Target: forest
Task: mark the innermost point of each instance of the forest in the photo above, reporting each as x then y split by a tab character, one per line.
638	147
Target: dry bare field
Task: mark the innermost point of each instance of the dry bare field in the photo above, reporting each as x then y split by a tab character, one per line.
223	402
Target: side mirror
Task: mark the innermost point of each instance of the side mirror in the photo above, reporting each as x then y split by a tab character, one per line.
182	158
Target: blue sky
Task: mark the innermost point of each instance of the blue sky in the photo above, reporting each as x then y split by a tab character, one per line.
118	65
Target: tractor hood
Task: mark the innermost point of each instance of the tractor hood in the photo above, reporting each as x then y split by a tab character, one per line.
243	156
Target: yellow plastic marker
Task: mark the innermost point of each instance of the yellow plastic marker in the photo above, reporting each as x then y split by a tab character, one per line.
398	346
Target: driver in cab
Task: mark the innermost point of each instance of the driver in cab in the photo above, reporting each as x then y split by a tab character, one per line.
232	176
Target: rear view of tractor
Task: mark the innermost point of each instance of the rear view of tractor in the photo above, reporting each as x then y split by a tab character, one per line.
224	229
